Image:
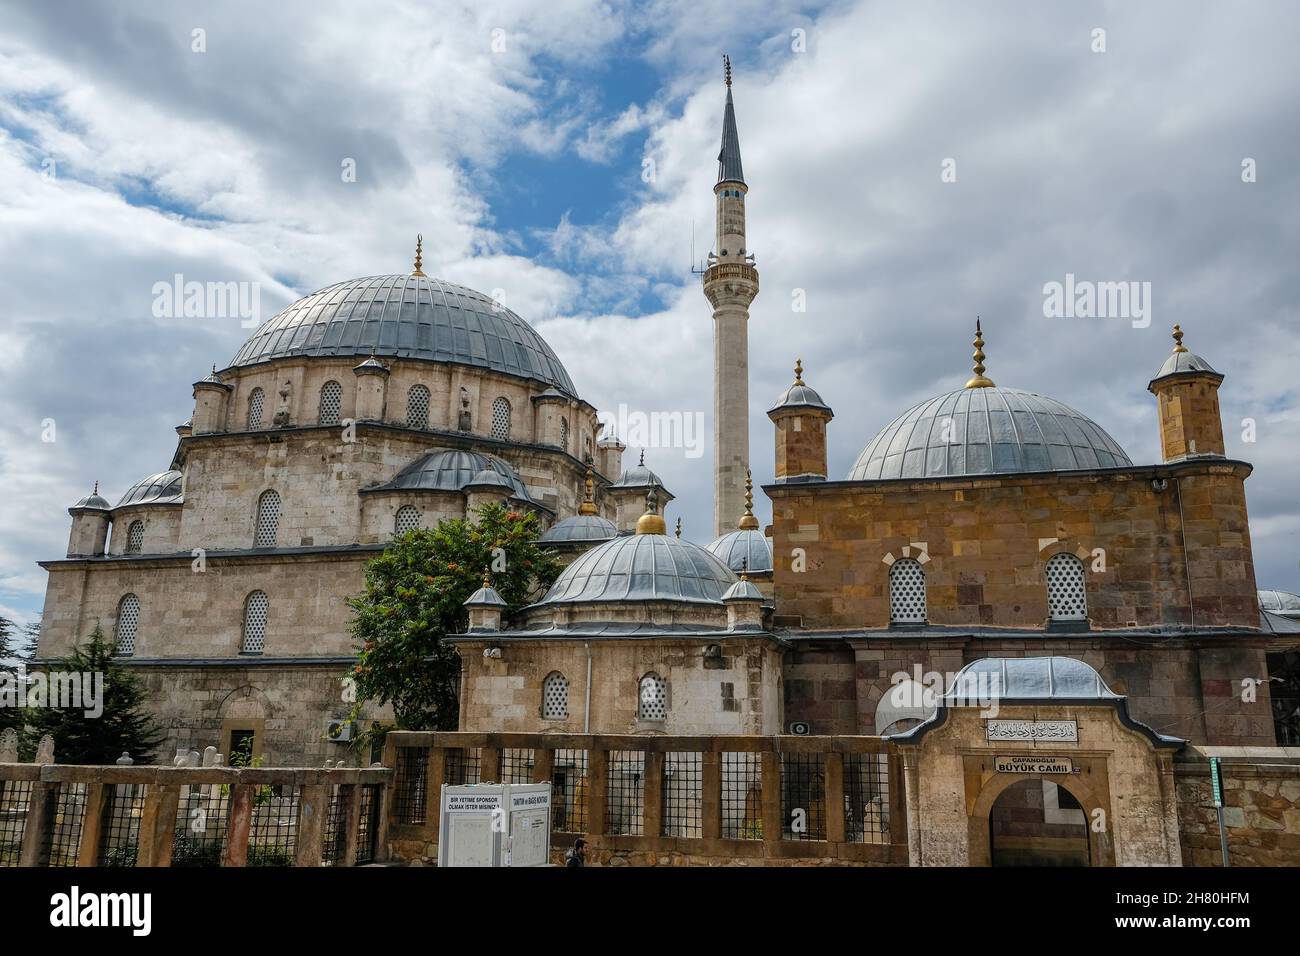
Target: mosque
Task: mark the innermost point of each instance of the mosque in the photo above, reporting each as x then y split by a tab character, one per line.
986	523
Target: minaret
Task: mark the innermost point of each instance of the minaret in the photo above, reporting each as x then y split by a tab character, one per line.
730	284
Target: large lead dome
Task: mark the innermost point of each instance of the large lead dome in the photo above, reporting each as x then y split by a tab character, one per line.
987	431
406	316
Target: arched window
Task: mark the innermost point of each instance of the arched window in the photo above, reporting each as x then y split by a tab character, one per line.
408	518
268	520
501	418
256	606
564	434
653	698
256	399
1066	600
907	592
331	402
128	618
135	537
417	407
555	696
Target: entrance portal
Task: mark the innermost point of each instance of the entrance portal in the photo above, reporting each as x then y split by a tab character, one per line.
1038	823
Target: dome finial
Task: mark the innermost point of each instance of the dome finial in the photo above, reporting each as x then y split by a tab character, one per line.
798	371
1178	339
419	256
487	579
588	506
642	461
726	69
747	521
744	569
978	380
652	522
679	527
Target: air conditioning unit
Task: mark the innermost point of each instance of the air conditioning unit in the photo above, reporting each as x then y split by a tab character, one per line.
338	730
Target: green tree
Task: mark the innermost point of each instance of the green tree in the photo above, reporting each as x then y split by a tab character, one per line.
415	594
122	727
13	650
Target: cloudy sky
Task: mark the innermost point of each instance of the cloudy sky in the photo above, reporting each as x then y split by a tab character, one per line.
517	138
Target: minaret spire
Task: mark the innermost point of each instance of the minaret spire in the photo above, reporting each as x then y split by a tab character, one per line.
730	284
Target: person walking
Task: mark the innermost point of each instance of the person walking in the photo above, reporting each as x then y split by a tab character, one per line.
577	856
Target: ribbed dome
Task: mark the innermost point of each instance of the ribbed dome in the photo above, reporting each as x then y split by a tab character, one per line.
642	567
162	488
736	547
1029	678
450	470
579	528
987	431
1279	602
411	317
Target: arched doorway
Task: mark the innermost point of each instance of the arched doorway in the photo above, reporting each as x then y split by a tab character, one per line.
1037	822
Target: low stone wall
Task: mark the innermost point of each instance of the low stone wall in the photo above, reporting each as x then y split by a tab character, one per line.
1261	795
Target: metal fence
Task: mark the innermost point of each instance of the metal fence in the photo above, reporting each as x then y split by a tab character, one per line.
730	797
14	797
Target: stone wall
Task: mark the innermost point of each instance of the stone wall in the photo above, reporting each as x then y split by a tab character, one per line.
737	694
1261	795
1186	687
988	541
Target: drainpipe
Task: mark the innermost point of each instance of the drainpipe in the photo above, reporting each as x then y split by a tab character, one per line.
1187	564
586	707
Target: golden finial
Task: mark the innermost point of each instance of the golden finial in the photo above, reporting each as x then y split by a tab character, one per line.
588	506
1178	339
747	521
487	581
798	371
978	380
642	461
744	569
726	68
679	527
652	522
419	256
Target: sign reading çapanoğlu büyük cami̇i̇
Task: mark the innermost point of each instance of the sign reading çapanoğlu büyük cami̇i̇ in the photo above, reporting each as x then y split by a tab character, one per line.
1032	730
1032	763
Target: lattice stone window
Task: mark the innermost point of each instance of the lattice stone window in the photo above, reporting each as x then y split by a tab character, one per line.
408	519
256	608
555	696
268	520
501	418
653	698
331	403
135	537
255	401
564	434
907	592
128	619
1066	600
417	407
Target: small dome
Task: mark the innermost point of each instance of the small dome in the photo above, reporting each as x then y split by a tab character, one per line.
488	478
1181	360
987	431
1029	678
799	395
93	500
742	591
638	477
163	488
1280	602
450	470
412	317
736	547
579	528
642	567
486	596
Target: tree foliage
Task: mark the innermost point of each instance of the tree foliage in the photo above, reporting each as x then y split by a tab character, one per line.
122	727
414	596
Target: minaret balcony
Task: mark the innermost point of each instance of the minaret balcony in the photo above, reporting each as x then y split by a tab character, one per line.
731	279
